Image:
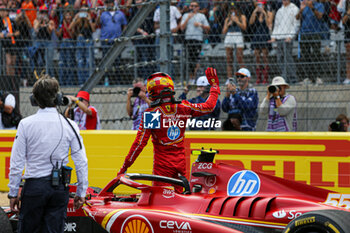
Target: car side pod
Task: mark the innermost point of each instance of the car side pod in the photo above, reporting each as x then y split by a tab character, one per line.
143	221
321	221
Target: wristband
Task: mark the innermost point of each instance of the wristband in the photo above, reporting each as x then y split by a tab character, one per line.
11	197
77	101
277	97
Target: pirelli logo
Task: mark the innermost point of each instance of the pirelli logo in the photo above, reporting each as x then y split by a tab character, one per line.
305	221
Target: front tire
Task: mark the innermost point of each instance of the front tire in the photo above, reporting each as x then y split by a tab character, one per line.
322	221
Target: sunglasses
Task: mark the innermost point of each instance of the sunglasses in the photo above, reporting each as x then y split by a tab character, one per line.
194	5
240	76
82	99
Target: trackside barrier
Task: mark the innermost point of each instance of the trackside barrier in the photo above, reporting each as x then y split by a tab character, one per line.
320	158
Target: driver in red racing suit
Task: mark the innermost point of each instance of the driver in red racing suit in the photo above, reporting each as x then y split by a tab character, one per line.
169	119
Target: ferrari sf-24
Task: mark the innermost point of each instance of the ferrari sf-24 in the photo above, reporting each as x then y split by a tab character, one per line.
218	198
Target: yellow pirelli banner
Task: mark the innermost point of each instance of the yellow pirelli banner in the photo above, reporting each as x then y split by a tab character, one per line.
321	159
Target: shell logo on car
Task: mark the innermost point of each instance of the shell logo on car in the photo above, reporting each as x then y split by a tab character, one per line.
137	224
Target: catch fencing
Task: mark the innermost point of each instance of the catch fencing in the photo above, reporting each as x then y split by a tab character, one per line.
314	66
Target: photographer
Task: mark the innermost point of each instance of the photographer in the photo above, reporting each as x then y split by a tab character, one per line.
84	114
280	107
41	146
7	108
141	103
242	100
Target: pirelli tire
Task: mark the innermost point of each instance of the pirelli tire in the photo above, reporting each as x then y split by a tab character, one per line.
321	221
5	225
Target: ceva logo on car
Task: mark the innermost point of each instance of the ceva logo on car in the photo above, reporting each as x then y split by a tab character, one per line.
175	225
243	183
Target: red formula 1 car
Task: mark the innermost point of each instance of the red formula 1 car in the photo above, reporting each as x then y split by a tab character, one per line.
218	198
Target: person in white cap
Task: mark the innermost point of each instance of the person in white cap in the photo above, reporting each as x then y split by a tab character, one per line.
203	88
242	100
280	107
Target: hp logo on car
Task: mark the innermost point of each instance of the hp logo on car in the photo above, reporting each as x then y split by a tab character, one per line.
243	183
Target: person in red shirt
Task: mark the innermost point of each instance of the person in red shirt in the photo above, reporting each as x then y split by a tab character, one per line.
166	121
85	115
30	10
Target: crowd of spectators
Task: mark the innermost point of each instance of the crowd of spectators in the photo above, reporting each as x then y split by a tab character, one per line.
34	28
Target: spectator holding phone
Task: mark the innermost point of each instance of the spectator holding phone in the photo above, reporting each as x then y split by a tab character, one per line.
67	59
43	46
259	25
141	102
284	32
242	99
23	43
194	24
235	24
83	27
203	88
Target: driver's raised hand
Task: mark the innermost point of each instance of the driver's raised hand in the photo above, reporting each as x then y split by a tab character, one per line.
213	78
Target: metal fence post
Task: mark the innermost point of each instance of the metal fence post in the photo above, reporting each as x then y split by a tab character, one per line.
164	35
135	61
234	65
46	60
182	64
307	107
338	61
91	58
285	60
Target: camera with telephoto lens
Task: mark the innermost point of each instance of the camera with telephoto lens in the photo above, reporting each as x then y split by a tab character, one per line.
136	91
60	100
273	88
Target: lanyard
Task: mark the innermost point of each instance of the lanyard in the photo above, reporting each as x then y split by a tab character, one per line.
9	26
